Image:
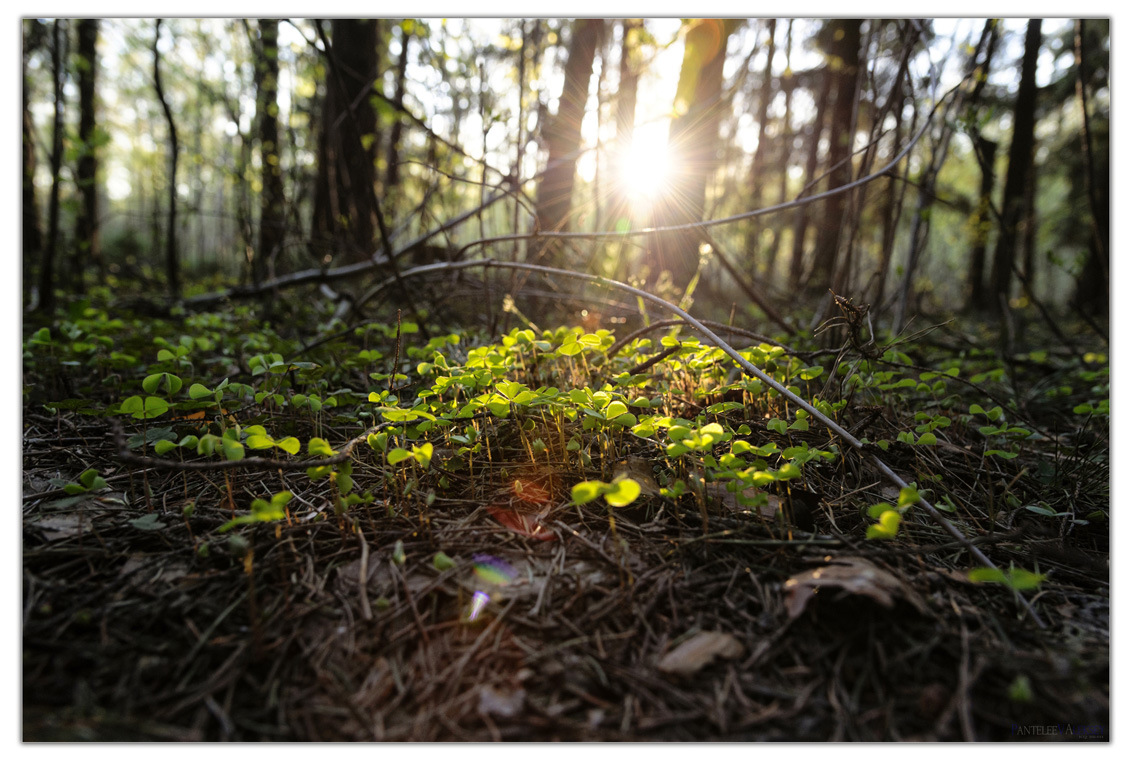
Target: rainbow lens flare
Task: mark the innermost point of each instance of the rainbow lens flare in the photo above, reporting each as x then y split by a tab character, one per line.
493	571
478	601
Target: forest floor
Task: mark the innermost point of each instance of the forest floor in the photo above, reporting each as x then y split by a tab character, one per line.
471	595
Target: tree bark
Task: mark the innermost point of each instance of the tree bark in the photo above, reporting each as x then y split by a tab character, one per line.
786	144
693	142
563	134
1093	288
32	232
47	269
345	217
796	267
272	211
1019	164
982	223
843	53
756	183
87	248
392	159
172	260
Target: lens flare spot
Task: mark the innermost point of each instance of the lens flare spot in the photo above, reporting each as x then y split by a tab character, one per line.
478	601
493	571
645	167
530	492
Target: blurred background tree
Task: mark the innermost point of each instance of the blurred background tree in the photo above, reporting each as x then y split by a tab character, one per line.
273	146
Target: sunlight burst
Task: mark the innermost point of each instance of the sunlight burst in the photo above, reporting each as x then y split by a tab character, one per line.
644	169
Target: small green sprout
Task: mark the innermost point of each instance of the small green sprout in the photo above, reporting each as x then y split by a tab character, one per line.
261	511
1016	578
87	481
617	494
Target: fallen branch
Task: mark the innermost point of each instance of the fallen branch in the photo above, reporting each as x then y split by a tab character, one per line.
321	275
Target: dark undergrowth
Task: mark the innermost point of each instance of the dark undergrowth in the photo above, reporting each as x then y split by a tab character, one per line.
472	527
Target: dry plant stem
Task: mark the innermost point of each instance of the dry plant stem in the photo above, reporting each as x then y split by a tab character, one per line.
745	284
746	366
363	582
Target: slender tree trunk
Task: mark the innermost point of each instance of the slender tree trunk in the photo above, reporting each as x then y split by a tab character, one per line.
626	106
892	208
563	134
982	223
87	248
272	212
1030	226
200	244
32	232
843	52
46	273
345	218
172	260
1019	164
786	143
756	182
392	171
796	267
920	224
693	140
1093	288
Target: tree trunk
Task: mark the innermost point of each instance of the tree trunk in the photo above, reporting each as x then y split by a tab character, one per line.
1019	163
563	134
32	232
693	141
786	143
392	171
344	222
47	270
272	212
756	182
172	261
796	267
87	248
892	207
920	223
626	107
843	54
982	223
1030	226
1093	288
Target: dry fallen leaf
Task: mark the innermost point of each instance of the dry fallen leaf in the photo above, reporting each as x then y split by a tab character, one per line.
851	575
638	469
729	501
698	651
58	526
520	522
